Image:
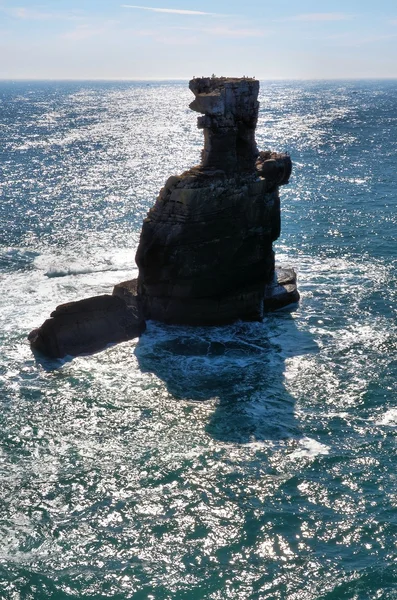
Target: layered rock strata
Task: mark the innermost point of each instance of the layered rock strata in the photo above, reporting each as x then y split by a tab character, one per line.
205	254
230	109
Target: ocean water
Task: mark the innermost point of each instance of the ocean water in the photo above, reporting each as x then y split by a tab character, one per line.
255	461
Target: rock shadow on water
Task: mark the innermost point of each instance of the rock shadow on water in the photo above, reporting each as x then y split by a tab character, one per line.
49	364
240	368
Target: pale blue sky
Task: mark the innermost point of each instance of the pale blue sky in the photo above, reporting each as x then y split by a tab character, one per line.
101	39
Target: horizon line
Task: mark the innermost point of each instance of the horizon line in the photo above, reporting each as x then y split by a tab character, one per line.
365	78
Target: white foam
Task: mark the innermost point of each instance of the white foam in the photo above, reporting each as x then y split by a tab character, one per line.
309	448
66	264
76	270
389	418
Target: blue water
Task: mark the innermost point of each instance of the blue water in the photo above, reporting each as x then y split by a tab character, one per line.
255	461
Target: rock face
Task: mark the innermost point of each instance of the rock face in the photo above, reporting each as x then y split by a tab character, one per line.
205	254
230	109
88	326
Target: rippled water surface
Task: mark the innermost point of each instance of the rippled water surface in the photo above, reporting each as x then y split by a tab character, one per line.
255	461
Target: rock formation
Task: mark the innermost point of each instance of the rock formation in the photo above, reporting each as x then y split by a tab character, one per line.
205	254
89	325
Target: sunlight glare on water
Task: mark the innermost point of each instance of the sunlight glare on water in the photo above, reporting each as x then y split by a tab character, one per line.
254	461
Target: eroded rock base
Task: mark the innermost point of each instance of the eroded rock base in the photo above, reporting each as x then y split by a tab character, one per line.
88	326
251	301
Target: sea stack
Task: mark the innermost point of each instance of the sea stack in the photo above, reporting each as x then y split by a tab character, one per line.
205	254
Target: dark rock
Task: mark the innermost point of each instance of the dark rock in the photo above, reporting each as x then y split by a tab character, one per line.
230	106
282	291
205	253
128	291
88	326
275	168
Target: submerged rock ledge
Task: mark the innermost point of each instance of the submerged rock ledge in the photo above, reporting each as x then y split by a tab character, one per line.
205	255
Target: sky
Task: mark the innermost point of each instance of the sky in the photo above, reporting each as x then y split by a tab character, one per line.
179	39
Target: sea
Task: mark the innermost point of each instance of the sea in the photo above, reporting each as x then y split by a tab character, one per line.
255	461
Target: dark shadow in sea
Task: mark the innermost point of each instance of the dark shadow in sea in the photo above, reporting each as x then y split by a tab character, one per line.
239	367
50	364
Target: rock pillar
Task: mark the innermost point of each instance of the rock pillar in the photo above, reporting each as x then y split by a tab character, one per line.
230	109
205	253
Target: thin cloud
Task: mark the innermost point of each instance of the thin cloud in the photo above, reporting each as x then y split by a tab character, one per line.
28	14
229	32
174	11
316	17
